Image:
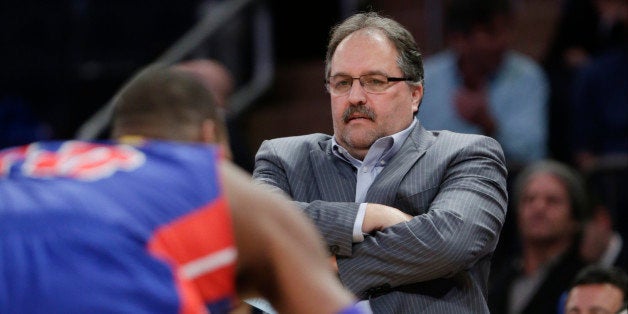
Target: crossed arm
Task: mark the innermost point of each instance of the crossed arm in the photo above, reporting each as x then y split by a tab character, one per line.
281	257
464	213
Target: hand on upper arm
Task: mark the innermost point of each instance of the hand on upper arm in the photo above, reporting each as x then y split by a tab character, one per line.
378	217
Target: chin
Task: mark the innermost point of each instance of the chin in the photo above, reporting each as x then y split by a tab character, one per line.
360	142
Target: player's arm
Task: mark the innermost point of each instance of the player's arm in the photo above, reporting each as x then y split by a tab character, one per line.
280	254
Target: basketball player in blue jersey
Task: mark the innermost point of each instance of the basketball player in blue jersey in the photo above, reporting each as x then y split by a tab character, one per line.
156	221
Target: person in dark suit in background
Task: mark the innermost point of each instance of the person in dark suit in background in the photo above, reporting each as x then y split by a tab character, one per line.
599	122
551	206
602	243
584	30
412	216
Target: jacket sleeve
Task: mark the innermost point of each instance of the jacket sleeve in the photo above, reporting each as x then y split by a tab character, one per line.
280	167
460	227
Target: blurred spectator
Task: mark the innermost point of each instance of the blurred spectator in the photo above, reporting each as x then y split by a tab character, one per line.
585	28
480	85
551	205
601	243
598	290
600	122
216	77
219	80
600	110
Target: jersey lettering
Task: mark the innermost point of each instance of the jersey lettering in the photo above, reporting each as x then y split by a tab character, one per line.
74	159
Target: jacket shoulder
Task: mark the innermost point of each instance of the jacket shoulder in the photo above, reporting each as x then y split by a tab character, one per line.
463	139
298	142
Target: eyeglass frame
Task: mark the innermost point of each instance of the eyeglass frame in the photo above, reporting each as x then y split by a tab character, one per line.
388	80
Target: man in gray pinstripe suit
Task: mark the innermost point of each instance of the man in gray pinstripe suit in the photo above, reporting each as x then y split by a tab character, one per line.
412	216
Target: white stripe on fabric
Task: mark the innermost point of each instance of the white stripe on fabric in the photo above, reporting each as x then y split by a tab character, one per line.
209	263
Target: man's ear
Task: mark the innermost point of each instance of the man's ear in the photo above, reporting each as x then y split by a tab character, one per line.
417	96
208	132
212	133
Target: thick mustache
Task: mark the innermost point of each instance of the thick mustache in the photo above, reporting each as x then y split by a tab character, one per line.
362	111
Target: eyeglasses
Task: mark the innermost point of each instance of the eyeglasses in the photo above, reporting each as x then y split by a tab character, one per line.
372	83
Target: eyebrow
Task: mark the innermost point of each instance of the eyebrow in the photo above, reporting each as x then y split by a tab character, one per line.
367	73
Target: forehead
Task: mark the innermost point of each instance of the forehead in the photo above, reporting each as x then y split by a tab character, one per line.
547	182
365	51
600	296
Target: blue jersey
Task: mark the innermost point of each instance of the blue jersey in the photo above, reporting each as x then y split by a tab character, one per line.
92	227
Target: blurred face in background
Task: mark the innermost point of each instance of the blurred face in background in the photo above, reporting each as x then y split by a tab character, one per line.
544	210
481	49
594	299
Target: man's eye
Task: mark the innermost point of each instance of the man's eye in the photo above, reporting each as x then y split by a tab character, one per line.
342	83
374	81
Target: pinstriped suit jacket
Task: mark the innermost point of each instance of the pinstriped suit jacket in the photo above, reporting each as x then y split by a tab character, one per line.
453	184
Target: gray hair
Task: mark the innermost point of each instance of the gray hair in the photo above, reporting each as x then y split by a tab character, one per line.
410	60
571	178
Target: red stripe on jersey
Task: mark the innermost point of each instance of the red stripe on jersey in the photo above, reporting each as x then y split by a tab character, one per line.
202	246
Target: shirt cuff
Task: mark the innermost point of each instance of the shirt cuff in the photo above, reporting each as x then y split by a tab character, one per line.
358	236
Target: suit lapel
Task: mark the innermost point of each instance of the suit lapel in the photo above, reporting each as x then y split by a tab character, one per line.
334	177
387	182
